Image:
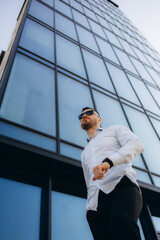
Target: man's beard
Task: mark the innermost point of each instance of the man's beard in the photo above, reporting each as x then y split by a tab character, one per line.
86	125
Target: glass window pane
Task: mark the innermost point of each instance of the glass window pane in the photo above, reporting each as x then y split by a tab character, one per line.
142	71
156	221
97	28
71	103
38	39
122	84
62	7
69	211
97	71
70	151
90	14
27	136
69	56
49	2
76	5
127	47
154	75
110	110
20	210
156	94
42	13
125	61
138	162
142	176
80	18
107	50
156	180
112	38
65	26
87	39
141	231
156	124
32	94
144	95
143	129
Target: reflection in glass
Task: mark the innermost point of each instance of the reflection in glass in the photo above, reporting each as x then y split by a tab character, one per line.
144	95
27	136
97	71
42	13
110	110
65	26
125	61
112	38
38	39
32	94
69	211
154	75
80	18
71	103
156	221
97	28
122	84
20	210
107	50
143	129
90	14
62	7
142	176
69	56
156	124
87	39
156	180
70	151
156	94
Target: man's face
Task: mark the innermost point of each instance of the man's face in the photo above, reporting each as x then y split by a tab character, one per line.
90	121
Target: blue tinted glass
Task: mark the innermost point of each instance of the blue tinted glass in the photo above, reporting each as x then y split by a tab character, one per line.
38	39
154	75
69	211
127	47
122	84
156	221
143	129
27	136
90	14
156	180
107	50
144	95
87	39
20	211
110	110
156	124
138	162
31	90
49	2
65	26
97	71
76	5
71	103
69	56
112	38
80	18
155	93
42	13
62	7
103	22
125	61
142	71
141	231
142	176
97	28
70	151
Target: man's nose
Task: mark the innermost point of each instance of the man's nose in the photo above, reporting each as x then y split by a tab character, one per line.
85	115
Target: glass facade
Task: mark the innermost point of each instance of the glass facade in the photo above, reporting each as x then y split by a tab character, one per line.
72	54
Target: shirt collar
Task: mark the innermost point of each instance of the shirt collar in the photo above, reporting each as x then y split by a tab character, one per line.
98	130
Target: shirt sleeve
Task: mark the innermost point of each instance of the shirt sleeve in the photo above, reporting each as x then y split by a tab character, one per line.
131	146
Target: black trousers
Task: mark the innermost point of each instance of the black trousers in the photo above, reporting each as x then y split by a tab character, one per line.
117	213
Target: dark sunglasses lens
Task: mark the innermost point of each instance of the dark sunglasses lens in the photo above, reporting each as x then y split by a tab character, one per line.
87	113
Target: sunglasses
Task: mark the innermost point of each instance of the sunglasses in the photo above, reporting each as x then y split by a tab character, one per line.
88	113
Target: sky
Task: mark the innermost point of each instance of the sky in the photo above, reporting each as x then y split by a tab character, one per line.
144	14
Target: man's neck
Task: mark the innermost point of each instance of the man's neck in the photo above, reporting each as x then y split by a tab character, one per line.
91	132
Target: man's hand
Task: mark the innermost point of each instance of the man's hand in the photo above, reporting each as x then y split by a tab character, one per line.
100	170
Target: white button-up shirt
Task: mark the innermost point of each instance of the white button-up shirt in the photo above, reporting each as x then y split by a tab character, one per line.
120	145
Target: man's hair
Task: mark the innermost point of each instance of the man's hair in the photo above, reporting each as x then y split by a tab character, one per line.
92	109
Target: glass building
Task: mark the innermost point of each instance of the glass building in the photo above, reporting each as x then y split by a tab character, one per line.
65	55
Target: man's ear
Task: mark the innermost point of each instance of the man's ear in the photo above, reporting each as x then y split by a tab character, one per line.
99	120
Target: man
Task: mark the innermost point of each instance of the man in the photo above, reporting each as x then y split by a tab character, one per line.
114	199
